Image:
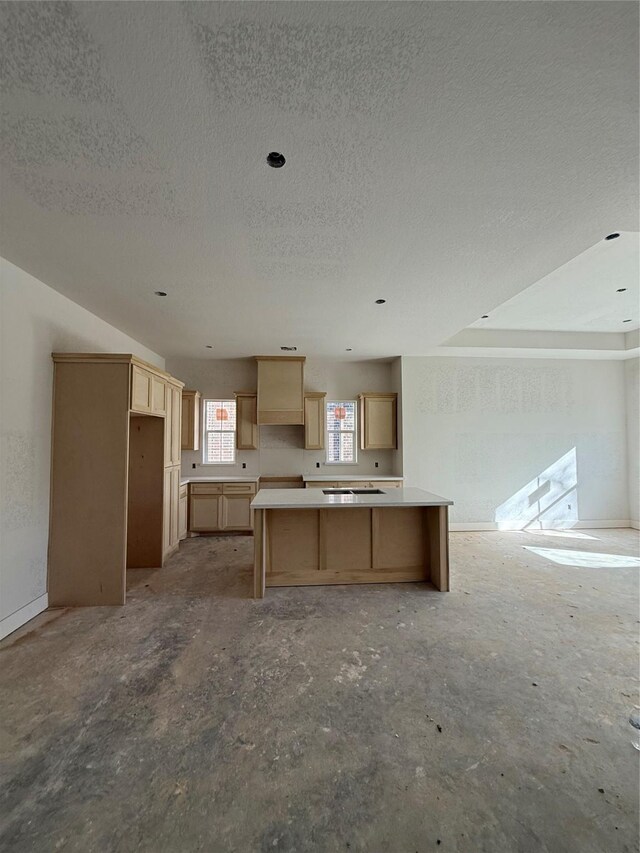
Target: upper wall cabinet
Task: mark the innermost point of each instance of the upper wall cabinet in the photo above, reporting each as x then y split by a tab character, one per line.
190	420
246	421
378	421
141	384
314	420
280	389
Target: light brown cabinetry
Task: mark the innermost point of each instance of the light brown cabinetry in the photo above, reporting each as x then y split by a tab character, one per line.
314	420
246	421
190	420
378	421
203	513
183	512
159	395
280	389
217	507
140	389
173	425
115	474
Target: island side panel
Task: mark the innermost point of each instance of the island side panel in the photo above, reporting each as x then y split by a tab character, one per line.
438	547
345	541
293	547
399	542
259	551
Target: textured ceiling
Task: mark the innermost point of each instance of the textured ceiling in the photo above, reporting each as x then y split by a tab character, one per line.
444	156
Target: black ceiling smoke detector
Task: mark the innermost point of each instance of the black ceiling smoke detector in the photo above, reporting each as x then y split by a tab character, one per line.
275	160
608	237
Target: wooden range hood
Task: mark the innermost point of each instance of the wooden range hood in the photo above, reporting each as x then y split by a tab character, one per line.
280	389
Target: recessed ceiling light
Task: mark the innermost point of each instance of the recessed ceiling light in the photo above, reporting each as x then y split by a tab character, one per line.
289	349
380	301
627	321
276	160
484	317
160	293
621	290
612	236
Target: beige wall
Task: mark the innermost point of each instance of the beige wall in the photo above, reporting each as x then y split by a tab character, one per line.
282	447
632	382
35	321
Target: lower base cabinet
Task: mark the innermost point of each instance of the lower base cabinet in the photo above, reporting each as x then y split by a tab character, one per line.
183	507
221	507
171	508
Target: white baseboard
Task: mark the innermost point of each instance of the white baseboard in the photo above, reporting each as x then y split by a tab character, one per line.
634	524
17	619
596	524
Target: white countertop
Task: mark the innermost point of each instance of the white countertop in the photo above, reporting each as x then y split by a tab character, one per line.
185	480
349	478
316	499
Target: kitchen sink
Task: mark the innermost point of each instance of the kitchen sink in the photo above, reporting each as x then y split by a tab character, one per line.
353	492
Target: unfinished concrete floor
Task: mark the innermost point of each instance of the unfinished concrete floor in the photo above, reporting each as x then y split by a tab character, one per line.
375	718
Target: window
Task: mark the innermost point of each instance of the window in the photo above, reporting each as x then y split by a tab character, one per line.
341	431
219	445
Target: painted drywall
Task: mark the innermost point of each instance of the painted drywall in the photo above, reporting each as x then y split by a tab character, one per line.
34	322
281	449
396	385
632	385
515	442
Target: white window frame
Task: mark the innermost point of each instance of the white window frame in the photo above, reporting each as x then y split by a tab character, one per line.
354	431
206	431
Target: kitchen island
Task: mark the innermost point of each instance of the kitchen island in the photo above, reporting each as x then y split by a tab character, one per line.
308	537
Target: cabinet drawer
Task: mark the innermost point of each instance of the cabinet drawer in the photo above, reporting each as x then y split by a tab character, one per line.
239	488
355	484
206	488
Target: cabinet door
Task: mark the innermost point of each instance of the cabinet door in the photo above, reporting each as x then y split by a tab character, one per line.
140	389
182	517
246	422
159	394
204	513
314	421
166	512
176	424
175	506
237	513
170	414
190	437
378	431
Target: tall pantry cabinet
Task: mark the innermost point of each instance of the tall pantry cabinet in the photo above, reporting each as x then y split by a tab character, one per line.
115	474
